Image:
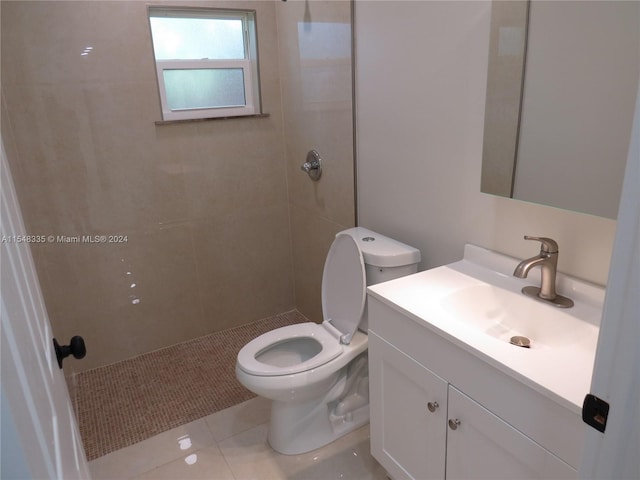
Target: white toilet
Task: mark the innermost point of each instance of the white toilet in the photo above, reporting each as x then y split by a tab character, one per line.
317	374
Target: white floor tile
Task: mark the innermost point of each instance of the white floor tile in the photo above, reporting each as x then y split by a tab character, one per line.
207	463
241	453
241	417
250	457
348	457
141	457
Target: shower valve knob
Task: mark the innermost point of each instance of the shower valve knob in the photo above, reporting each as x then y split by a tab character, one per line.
313	165
76	348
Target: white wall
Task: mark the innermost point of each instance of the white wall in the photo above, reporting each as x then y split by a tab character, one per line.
421	71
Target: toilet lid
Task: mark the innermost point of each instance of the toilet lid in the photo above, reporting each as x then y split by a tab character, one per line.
344	285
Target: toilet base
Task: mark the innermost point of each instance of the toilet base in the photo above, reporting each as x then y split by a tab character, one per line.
296	429
299	427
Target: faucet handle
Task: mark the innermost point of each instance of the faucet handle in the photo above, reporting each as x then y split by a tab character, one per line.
548	244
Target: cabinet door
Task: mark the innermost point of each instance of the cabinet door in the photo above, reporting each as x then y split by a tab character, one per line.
406	437
484	446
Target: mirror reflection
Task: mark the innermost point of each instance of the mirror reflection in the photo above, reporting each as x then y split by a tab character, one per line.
561	88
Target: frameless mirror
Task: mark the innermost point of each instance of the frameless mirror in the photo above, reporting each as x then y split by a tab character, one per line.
561	88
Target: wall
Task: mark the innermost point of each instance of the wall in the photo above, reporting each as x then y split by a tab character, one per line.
419	120
315	67
204	205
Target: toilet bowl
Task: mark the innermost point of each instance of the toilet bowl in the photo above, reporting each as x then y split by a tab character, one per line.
317	374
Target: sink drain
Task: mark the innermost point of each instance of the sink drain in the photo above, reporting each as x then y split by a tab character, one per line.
520	341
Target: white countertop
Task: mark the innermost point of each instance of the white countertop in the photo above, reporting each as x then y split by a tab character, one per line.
562	371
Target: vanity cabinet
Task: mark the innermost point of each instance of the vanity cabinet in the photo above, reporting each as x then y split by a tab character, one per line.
408	414
425	425
484	446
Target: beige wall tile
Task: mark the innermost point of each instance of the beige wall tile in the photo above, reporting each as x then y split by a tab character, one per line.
333	196
124	298
317	94
244	265
95	166
234	165
317	104
52	35
312	237
89	159
205	205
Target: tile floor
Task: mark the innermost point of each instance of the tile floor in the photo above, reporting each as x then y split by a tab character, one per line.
232	444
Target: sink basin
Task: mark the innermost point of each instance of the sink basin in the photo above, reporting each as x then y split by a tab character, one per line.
477	304
503	314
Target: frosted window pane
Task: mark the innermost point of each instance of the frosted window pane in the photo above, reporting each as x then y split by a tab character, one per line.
197	38
204	88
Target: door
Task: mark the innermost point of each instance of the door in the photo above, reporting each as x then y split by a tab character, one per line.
36	404
616	374
482	445
408	414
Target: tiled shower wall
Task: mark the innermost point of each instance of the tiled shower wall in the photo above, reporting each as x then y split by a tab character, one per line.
204	206
315	71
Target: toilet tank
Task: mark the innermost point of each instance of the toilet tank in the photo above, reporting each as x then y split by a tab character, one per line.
384	259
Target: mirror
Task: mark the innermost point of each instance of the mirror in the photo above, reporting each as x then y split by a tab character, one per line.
561	88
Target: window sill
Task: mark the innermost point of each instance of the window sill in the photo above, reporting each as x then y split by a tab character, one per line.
190	120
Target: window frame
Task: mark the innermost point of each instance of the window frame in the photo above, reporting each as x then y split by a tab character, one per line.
249	64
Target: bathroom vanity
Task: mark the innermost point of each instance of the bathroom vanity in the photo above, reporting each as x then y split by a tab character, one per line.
452	398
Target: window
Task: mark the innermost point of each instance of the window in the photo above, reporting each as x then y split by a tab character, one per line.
206	62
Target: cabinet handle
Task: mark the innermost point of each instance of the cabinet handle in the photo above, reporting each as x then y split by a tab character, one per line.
432	406
454	423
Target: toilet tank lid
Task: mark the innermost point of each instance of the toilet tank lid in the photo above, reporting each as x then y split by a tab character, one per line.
383	251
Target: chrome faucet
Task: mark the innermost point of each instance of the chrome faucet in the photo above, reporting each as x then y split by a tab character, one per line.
547	259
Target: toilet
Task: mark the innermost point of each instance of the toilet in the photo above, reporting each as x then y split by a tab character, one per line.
317	374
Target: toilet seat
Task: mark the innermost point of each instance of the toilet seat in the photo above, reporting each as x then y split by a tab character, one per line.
343	298
330	349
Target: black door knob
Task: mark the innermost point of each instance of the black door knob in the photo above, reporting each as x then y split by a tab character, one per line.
76	348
